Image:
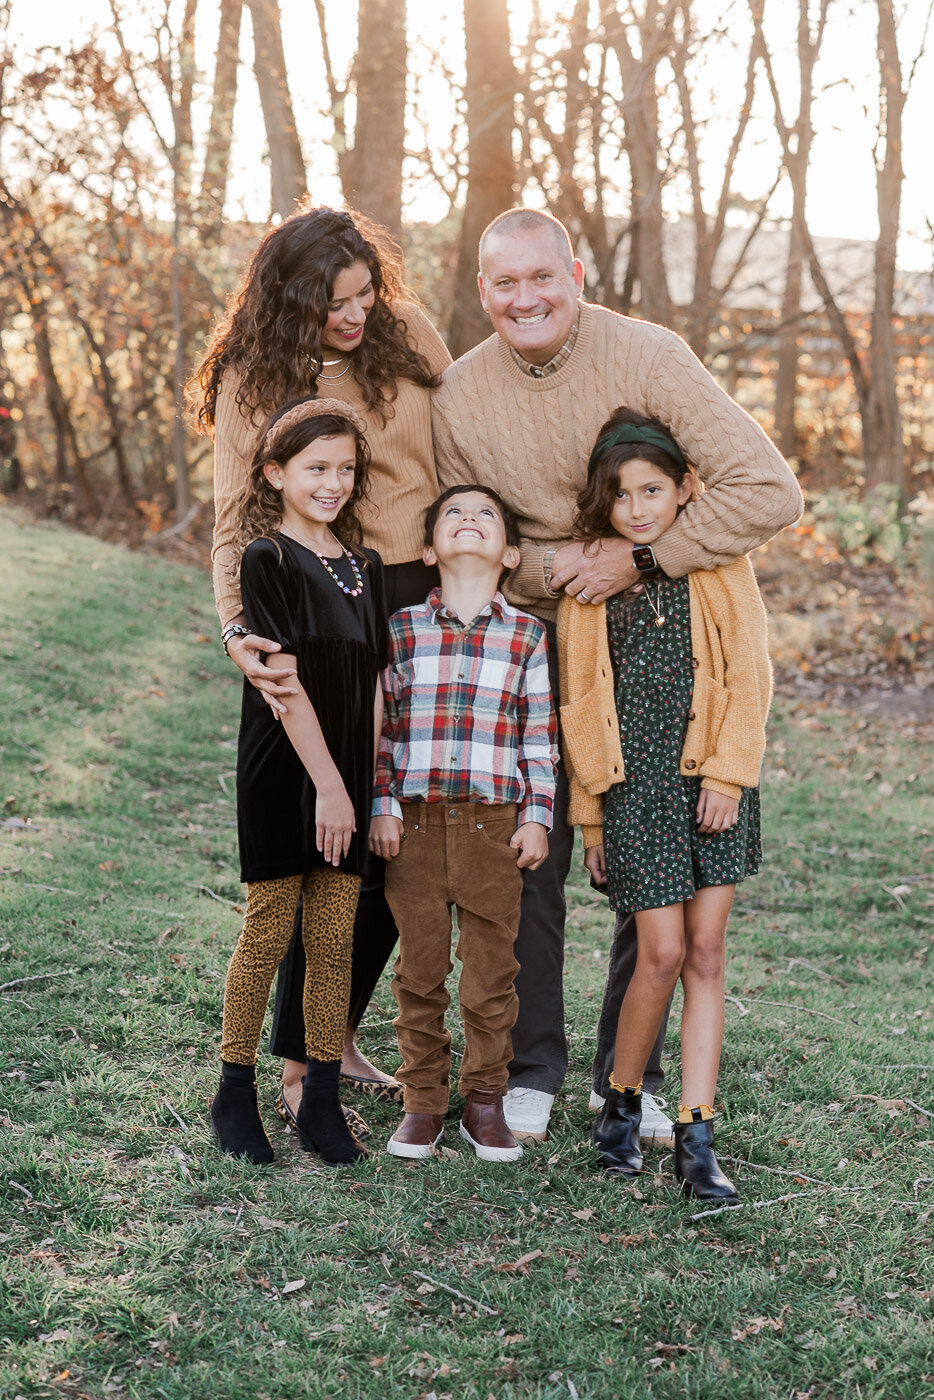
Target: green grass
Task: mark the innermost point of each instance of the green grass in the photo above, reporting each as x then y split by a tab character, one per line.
136	1261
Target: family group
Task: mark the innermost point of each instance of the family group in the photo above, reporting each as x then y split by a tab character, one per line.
476	605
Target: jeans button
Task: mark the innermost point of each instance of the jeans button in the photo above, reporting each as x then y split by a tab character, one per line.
452	812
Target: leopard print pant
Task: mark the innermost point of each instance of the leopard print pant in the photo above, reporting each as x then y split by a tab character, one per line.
329	905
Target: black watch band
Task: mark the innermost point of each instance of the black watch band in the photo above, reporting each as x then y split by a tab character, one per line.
643	556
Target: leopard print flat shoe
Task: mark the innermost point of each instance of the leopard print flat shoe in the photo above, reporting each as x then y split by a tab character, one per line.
355	1122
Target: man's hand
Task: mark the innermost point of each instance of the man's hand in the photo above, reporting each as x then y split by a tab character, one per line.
247	652
716	812
531	841
594	572
595	862
385	836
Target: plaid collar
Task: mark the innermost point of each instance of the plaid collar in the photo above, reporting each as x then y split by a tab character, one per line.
557	361
437	610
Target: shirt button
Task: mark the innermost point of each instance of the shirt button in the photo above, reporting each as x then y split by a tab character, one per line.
690	763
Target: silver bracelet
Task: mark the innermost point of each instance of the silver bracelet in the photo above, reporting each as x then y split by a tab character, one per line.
233	629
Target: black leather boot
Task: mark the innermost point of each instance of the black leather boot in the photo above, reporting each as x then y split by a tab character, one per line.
615	1134
696	1168
320	1120
237	1125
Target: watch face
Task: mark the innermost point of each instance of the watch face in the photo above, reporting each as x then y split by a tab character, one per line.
643	556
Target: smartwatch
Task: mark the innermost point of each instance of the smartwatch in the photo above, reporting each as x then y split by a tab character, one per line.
643	556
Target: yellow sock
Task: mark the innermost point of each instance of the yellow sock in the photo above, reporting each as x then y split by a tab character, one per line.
625	1088
701	1113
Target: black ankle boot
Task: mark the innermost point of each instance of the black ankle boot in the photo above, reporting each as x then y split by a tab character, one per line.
322	1127
615	1134
696	1168
237	1125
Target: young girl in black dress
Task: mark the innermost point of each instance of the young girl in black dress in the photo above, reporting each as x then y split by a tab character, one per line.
303	782
665	693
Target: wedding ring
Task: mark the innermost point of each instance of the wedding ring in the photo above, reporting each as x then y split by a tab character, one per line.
582	597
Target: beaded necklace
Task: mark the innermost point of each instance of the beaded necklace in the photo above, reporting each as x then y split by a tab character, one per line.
351	592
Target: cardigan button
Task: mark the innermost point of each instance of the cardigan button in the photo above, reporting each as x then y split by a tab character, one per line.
694	662
692	714
690	763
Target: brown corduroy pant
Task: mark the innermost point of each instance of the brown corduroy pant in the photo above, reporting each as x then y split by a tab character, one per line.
454	856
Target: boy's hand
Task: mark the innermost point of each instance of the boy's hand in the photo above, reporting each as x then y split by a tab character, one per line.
595	862
716	812
385	836
531	841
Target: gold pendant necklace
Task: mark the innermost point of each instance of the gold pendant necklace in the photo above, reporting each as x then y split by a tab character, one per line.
656	606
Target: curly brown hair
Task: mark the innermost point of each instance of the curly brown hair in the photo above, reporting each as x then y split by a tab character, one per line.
595	502
259	511
270	335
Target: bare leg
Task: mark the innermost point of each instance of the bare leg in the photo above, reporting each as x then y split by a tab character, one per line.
660	935
705	918
354	1062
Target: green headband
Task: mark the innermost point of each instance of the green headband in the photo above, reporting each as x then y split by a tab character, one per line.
629	432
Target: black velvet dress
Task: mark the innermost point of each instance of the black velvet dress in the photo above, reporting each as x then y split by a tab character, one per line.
340	644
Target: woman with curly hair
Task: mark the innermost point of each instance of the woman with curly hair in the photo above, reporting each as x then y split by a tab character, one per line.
322	311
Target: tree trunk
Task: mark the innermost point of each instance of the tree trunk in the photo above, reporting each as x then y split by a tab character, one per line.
491	187
285	154
220	133
883	445
374	167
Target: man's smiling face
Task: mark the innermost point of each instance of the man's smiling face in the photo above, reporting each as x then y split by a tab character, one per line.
530	291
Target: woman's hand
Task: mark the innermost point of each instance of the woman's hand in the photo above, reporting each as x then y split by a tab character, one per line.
247	653
334	823
716	812
595	862
385	836
594	572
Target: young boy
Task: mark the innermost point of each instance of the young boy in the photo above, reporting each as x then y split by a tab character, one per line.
462	804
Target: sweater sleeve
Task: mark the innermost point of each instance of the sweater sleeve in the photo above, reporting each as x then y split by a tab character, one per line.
751	492
422	334
234	438
740	743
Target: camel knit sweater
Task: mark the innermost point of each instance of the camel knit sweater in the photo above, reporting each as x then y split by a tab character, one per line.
725	736
402	472
530	439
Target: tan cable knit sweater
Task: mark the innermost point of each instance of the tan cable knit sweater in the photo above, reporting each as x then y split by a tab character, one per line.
530	439
725	737
402	472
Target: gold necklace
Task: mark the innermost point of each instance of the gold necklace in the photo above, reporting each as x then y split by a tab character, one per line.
656	606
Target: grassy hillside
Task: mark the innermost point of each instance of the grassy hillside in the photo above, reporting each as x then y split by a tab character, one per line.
136	1262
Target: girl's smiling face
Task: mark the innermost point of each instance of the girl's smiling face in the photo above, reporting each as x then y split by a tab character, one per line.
647	501
315	484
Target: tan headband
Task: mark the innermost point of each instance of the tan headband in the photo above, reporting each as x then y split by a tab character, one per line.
313	408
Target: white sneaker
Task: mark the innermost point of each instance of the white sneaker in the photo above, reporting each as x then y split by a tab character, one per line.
527	1112
656	1126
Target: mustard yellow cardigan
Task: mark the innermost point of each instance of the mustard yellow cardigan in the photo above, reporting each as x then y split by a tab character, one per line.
725	737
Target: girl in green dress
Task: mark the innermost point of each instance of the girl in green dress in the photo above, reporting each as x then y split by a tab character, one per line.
665	693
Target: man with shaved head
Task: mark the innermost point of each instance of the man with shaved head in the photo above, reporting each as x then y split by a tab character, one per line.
520	413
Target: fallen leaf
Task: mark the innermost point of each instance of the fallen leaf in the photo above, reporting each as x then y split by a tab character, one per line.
293	1286
520	1264
582	1214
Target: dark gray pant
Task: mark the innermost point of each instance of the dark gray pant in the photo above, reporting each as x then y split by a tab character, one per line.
621	966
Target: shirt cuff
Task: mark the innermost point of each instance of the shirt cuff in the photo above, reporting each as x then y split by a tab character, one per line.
536	810
385	805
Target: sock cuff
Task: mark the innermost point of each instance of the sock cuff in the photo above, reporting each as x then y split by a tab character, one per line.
697	1113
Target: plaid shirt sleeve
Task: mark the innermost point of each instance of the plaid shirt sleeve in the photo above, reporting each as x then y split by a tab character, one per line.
385	800
538	752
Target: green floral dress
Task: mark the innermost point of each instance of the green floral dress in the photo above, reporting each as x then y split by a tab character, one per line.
655	854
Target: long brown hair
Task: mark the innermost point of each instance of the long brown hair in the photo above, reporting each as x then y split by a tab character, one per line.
595	502
259	512
270	336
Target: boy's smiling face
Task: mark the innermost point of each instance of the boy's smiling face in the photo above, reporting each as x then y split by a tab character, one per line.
471	526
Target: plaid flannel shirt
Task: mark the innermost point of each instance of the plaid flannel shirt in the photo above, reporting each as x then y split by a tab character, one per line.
468	715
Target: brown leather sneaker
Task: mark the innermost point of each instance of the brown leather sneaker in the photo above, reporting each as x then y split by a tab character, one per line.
417	1135
484	1127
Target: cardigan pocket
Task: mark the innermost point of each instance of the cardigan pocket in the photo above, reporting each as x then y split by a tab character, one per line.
709	704
590	737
